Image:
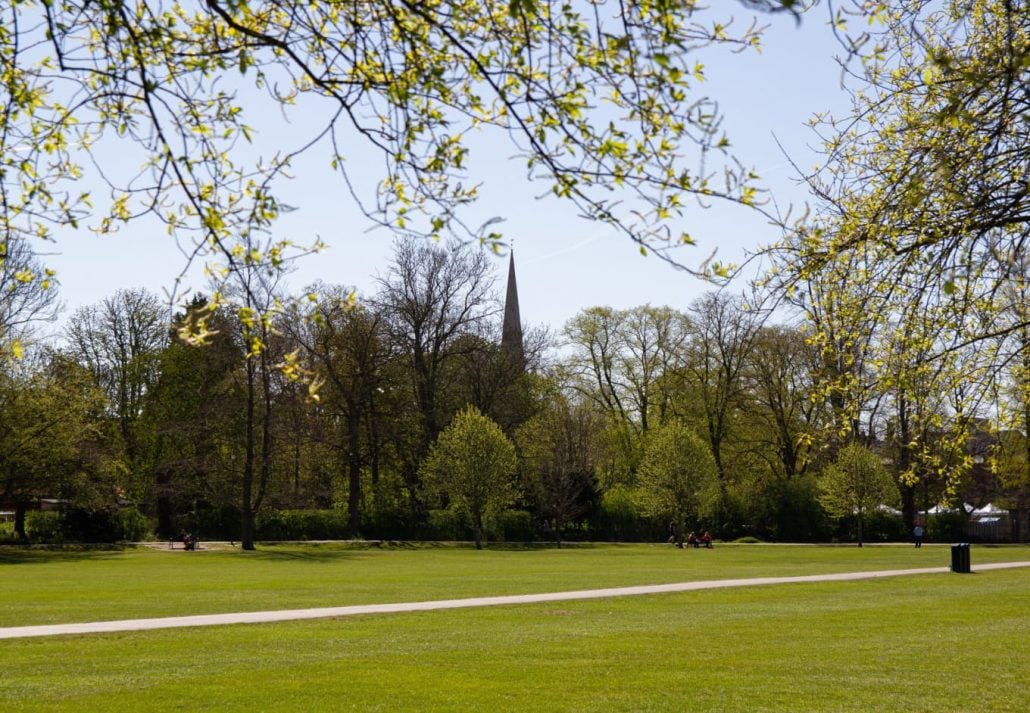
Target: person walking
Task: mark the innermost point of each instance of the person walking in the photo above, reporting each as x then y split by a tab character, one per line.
917	535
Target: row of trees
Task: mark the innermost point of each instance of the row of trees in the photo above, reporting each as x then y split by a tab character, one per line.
909	273
409	405
912	268
777	405
180	424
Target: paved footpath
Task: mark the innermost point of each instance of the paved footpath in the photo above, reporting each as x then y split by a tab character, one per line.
172	622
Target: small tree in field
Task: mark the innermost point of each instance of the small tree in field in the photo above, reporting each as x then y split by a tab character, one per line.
856	483
677	476
474	463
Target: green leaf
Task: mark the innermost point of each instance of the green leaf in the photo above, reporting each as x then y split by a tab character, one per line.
521	7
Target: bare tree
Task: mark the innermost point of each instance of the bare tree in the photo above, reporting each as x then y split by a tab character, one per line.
430	297
346	345
257	299
624	357
722	337
25	296
780	386
119	340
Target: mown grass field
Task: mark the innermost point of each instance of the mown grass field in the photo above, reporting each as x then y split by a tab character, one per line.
922	643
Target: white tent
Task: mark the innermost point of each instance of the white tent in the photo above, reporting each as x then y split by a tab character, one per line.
989	510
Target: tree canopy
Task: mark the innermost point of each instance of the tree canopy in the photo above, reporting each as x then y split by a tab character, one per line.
600	100
473	464
910	269
678	475
856	483
924	199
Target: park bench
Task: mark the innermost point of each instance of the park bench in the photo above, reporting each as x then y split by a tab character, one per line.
189	542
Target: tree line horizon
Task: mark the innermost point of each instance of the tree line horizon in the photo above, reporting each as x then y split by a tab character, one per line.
909	268
709	417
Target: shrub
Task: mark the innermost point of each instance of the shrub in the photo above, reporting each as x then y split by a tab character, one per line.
44	527
726	519
946	527
101	525
301	524
132	525
389	523
271	525
619	519
7	532
876	527
84	525
212	522
789	511
510	526
448	525
885	527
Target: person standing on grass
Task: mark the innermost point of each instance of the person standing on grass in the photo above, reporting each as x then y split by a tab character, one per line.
917	535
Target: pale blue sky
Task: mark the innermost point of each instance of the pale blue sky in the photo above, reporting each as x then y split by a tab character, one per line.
564	263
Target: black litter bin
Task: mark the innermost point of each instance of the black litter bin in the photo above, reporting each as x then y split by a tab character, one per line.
960	558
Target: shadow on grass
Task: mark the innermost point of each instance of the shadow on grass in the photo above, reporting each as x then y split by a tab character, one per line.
538	546
303	553
1002	545
332	551
42	554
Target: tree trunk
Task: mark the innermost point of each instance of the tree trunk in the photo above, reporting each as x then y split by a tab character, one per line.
908	506
372	424
165	524
247	528
19	520
266	429
296	460
859	529
479	530
904	438
247	509
354	470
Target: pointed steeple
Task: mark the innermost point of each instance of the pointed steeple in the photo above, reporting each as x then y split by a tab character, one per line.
511	329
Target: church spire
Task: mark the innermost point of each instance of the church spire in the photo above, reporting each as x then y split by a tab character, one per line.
511	329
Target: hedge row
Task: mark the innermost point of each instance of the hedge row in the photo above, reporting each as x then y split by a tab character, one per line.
612	524
76	525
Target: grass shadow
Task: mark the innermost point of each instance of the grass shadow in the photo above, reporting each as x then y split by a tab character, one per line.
42	554
539	546
303	553
332	551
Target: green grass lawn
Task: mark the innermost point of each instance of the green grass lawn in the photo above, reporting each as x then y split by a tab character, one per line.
921	643
57	586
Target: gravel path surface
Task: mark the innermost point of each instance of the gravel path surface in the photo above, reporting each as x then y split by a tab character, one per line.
99	627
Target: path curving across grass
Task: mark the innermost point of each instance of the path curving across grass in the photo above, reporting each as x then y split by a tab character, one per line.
934	642
69	585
